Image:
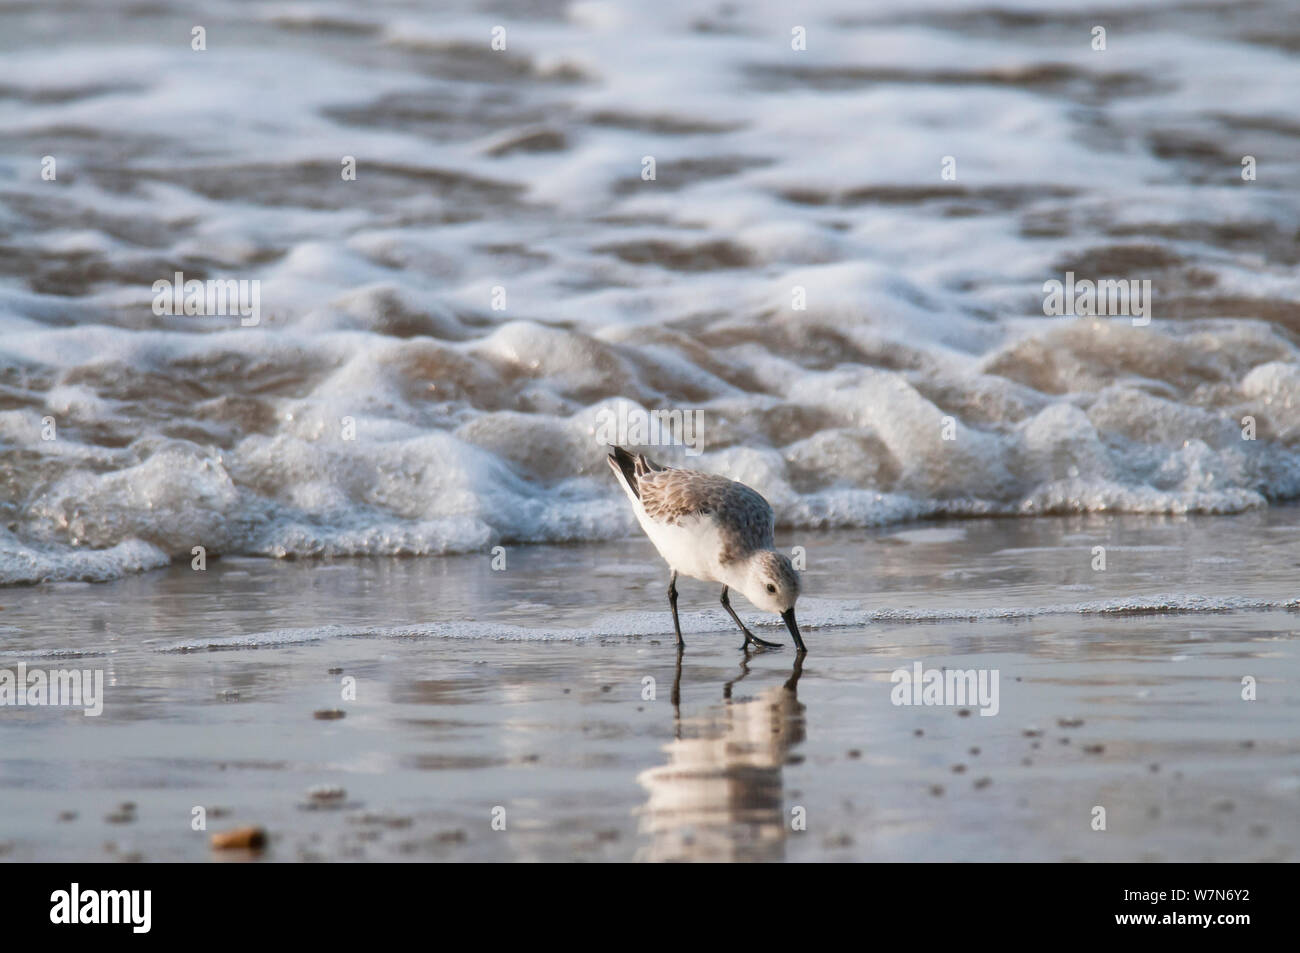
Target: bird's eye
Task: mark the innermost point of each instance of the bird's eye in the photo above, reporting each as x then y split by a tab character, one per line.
771	588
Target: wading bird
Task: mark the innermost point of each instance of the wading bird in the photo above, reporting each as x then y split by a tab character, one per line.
714	529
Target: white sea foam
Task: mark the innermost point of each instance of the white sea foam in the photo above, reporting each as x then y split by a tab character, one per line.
776	170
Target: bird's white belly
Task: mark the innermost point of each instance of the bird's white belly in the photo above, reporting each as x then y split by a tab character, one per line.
691	546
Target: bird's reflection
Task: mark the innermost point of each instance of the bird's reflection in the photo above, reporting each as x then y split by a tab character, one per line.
719	797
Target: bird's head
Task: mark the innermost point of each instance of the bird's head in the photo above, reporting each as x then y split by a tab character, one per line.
773	586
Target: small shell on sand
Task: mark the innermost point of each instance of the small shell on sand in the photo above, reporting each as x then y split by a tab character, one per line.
246	838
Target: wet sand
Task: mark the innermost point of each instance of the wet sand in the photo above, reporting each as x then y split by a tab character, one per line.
528	690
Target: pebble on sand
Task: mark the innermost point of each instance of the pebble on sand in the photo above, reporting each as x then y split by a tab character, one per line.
241	838
326	793
124	814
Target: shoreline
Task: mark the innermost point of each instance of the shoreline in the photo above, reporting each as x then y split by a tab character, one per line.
1137	713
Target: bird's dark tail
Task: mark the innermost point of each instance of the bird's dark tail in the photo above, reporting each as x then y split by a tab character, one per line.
624	464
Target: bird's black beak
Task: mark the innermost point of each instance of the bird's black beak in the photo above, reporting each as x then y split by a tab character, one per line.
788	617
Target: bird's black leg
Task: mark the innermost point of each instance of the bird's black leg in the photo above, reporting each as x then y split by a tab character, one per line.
672	603
750	637
677	696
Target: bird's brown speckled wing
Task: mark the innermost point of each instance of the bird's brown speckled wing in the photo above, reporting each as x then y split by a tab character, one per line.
745	519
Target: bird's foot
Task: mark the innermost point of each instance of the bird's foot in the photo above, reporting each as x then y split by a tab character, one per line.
752	639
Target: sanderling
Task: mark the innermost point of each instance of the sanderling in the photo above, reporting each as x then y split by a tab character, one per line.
713	529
